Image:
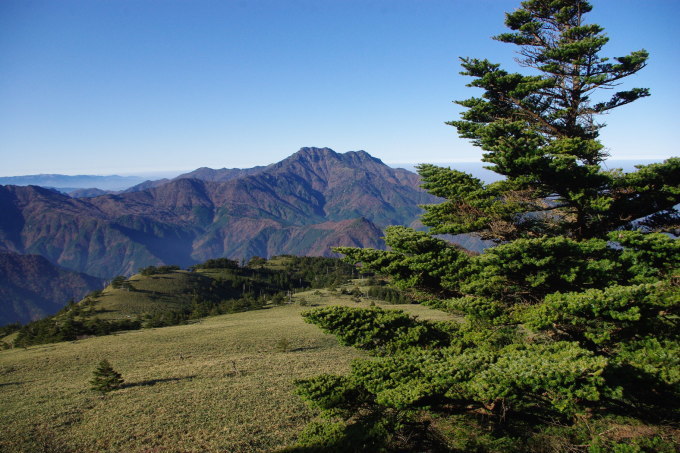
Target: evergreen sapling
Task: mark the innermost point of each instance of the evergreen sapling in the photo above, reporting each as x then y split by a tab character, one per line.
106	379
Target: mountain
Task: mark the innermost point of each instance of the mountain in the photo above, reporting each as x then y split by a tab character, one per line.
87	193
72	182
222	174
31	287
148	184
305	204
204	174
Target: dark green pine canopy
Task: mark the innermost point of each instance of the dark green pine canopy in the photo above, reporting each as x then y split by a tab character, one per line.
540	132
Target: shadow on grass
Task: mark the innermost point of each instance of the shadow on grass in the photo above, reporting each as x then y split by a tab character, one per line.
11	383
304	348
152	382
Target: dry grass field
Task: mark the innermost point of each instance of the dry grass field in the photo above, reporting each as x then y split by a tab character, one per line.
222	384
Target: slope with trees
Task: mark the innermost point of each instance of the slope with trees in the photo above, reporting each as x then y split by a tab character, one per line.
162	296
303	205
570	338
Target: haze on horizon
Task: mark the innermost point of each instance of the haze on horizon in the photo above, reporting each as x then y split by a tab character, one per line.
141	86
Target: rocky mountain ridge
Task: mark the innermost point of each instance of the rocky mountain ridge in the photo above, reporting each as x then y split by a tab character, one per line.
303	205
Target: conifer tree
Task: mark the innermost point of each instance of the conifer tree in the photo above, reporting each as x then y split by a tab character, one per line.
540	132
572	317
106	379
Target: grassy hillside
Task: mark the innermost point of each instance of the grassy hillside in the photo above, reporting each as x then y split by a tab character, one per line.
177	289
164	296
151	294
222	384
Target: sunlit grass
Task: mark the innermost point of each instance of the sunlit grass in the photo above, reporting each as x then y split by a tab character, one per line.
151	294
222	384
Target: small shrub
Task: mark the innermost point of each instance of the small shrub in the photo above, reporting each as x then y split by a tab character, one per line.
118	281
105	378
279	299
303	302
282	345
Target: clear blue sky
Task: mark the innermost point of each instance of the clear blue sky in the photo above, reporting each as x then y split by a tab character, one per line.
120	86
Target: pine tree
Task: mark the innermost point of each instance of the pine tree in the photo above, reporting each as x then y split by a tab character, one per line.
540	131
106	379
572	317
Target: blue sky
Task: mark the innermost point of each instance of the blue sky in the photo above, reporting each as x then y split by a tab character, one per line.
123	86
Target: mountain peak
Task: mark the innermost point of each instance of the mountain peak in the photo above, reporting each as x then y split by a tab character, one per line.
316	153
363	156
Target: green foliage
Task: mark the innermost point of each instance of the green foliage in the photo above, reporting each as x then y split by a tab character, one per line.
526	270
93	294
605	434
647	257
327	436
391	295
155	270
9	329
118	281
573	315
416	260
555	327
279	299
330	392
539	131
257	261
106	379
603	318
340	398
371	434
54	329
659	359
311	272
560	375
218	263
377	330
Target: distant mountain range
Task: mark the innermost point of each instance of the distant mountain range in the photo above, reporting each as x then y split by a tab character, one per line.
87	186
68	183
303	205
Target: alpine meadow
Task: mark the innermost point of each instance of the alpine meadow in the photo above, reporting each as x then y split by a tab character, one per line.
331	303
